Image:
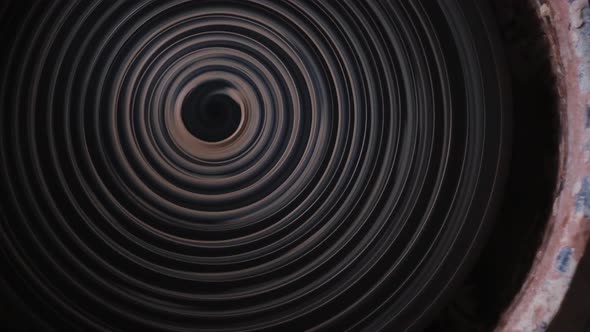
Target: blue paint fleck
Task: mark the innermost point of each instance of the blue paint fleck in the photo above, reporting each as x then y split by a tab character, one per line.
583	198
564	259
583	49
542	327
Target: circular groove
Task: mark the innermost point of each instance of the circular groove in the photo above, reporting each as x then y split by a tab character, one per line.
350	192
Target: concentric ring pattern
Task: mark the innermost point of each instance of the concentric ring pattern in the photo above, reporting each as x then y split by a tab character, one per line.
245	165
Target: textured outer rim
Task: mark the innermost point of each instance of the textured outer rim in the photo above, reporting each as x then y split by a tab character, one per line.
567	26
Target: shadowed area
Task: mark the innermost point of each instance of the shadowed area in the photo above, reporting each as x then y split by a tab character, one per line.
210	113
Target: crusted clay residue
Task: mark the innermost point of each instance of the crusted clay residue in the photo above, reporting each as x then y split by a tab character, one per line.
576	13
549	295
580	14
569	228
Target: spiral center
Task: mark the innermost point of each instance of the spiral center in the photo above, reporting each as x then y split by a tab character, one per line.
211	113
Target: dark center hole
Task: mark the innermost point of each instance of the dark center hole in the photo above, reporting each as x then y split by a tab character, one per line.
210	113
